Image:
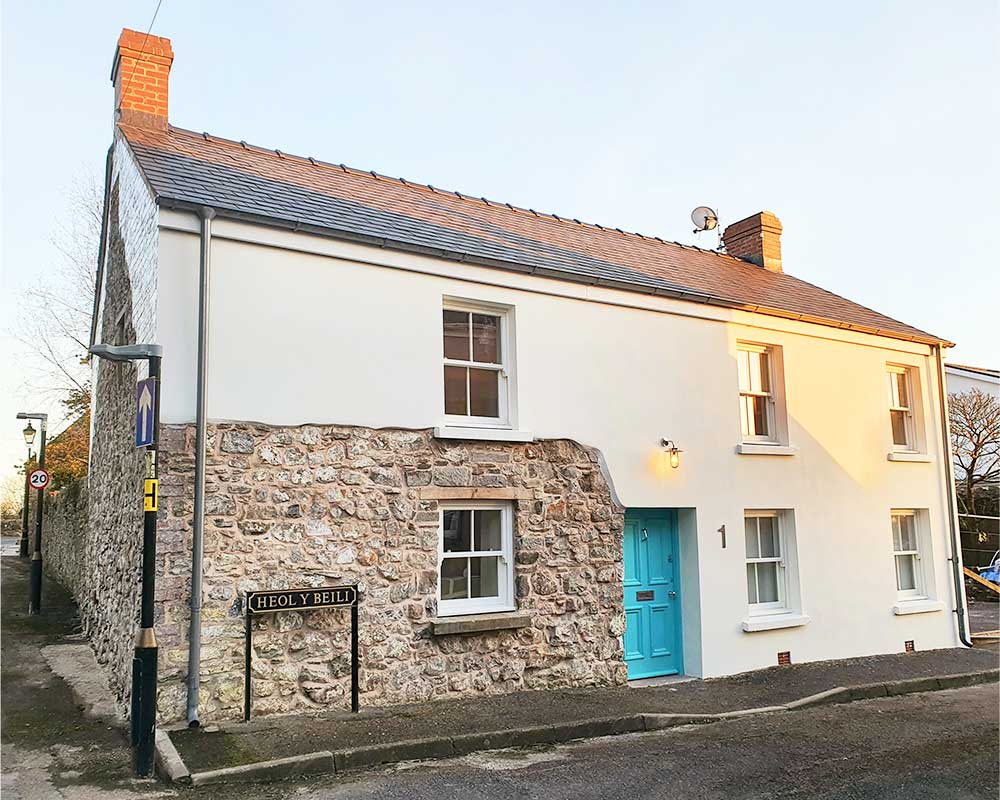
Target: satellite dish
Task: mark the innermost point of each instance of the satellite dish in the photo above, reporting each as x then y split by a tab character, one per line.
704	219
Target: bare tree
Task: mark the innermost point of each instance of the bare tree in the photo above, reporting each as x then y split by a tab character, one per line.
53	323
975	438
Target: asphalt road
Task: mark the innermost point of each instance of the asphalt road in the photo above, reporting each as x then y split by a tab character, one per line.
937	745
927	746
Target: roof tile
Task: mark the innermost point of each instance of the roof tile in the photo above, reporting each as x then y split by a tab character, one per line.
190	168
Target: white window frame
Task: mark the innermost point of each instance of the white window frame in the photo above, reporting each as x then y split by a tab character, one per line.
766	355
781	605
504	601
503	368
919	592
909	418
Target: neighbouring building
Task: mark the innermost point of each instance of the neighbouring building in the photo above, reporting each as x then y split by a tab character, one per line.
977	494
962	378
549	453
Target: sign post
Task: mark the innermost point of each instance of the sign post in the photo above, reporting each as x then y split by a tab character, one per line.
147	423
144	660
308	599
38	479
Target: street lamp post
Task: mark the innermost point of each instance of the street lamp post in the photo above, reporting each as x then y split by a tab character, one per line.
145	658
35	586
29	438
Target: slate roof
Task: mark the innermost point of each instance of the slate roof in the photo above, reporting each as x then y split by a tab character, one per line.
186	169
990	373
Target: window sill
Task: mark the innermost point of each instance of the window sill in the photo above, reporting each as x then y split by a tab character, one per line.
924	606
753	449
483	434
772	622
478	623
919	458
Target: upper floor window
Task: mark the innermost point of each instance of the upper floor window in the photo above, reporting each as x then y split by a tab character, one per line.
901	408
758	416
475	365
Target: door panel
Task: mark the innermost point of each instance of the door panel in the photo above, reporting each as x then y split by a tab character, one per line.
652	603
633	635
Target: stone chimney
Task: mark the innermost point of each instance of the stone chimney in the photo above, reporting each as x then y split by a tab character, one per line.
141	76
756	239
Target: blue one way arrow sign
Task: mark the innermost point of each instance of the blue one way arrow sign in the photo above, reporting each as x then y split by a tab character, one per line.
145	401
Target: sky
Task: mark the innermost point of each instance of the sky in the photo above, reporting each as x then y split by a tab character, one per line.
870	129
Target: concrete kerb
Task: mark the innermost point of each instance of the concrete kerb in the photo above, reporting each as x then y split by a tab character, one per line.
453	746
309	764
167	761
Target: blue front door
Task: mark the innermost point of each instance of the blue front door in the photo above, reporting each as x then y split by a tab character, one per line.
652	594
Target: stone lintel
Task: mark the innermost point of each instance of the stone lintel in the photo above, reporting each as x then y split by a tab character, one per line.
474	493
477	623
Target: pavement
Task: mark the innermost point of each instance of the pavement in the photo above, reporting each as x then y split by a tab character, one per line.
441	728
49	748
58	741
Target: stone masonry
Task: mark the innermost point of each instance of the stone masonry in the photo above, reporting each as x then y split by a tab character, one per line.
64	535
326	505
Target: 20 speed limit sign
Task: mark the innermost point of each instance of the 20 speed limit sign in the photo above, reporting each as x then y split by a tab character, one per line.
38	479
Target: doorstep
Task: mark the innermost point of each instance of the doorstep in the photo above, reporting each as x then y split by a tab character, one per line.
662	680
335	741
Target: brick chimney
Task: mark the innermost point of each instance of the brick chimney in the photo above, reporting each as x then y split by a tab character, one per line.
756	239
141	75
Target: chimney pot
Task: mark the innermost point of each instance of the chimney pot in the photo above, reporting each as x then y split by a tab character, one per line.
141	77
756	239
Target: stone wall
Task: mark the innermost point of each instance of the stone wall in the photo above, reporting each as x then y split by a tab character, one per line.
64	535
102	564
324	505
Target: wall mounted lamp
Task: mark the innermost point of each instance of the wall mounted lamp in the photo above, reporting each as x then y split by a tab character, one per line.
673	451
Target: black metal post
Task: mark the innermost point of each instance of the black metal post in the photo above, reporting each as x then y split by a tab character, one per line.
25	512
35	590
144	662
248	650
354	655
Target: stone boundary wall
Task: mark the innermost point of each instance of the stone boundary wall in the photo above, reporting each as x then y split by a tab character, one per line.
108	585
64	535
321	505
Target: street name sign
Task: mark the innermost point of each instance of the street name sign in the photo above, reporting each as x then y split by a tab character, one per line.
145	402
38	478
301	599
306	599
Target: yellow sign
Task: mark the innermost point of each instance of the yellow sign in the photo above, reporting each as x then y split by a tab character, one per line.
151	494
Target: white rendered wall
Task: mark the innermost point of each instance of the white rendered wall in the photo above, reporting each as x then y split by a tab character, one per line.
298	337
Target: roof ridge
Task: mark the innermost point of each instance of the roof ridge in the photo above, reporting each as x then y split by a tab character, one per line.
318	162
969	368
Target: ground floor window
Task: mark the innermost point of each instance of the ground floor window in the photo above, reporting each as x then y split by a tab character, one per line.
910	548
765	573
475	560
772	579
